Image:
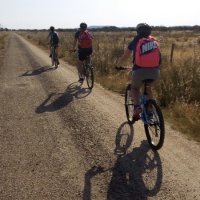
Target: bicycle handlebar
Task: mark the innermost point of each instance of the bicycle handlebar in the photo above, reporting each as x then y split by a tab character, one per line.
72	50
123	68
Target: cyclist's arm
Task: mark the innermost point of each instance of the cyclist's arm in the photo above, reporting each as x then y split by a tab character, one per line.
124	57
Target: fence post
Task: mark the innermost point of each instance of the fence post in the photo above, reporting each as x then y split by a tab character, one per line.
172	52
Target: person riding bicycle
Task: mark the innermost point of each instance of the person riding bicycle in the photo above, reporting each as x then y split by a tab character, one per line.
84	39
53	39
146	62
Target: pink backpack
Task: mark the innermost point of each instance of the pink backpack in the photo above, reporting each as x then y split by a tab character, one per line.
147	53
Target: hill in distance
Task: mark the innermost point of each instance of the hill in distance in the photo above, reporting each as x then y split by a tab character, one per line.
93	27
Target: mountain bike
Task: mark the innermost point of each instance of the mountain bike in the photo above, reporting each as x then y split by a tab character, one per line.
151	114
87	71
54	57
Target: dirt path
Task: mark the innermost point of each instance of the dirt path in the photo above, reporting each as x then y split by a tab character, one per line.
59	141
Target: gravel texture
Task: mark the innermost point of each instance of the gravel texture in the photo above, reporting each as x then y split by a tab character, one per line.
61	141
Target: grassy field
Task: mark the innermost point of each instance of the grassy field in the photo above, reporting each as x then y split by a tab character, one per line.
177	91
3	39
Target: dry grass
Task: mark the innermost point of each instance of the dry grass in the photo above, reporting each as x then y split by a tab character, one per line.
178	90
3	39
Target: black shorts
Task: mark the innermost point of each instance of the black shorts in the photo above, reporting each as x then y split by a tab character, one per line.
54	45
83	53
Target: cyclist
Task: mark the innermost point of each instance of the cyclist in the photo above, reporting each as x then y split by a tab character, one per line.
53	39
84	39
140	72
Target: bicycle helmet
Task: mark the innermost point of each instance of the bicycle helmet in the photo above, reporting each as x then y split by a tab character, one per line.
143	28
83	26
52	28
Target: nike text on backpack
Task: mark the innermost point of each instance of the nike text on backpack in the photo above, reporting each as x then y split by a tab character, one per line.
85	39
147	53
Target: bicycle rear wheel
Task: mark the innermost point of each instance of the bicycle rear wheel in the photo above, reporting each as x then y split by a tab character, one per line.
52	58
129	104
56	60
155	128
89	76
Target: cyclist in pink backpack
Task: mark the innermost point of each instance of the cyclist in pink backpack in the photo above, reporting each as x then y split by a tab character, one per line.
146	62
84	39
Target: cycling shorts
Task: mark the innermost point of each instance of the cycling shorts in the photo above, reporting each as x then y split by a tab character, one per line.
144	73
83	53
54	45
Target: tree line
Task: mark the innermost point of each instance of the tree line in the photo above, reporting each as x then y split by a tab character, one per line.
116	29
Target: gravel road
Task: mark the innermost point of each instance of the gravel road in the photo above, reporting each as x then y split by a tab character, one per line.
61	141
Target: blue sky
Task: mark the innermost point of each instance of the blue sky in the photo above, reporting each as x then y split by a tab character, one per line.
41	14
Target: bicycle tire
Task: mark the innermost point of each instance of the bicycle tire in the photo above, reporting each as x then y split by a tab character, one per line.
129	104
155	128
89	76
52	58
55	60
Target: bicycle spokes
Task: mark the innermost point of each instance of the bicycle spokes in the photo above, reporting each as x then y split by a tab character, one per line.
88	72
154	126
129	104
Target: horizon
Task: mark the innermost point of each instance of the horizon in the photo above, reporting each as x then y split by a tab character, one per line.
99	27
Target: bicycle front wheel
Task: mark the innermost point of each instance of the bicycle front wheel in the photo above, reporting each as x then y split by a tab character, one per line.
129	104
155	128
89	77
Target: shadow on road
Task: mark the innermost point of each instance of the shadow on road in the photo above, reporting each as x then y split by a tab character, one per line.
38	71
124	138
135	175
56	101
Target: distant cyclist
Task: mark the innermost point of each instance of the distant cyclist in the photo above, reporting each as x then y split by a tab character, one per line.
84	39
146	60
53	38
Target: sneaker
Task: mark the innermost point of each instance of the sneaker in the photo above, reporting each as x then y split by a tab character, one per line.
137	111
81	80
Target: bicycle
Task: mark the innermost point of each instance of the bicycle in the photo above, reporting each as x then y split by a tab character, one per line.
151	114
87	71
54	57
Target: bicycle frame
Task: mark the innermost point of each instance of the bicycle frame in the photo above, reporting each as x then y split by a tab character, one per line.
88	72
144	116
54	57
53	51
151	115
143	102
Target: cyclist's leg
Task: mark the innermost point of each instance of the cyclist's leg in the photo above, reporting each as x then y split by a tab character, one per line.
80	67
88	55
81	58
153	74
136	84
57	50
